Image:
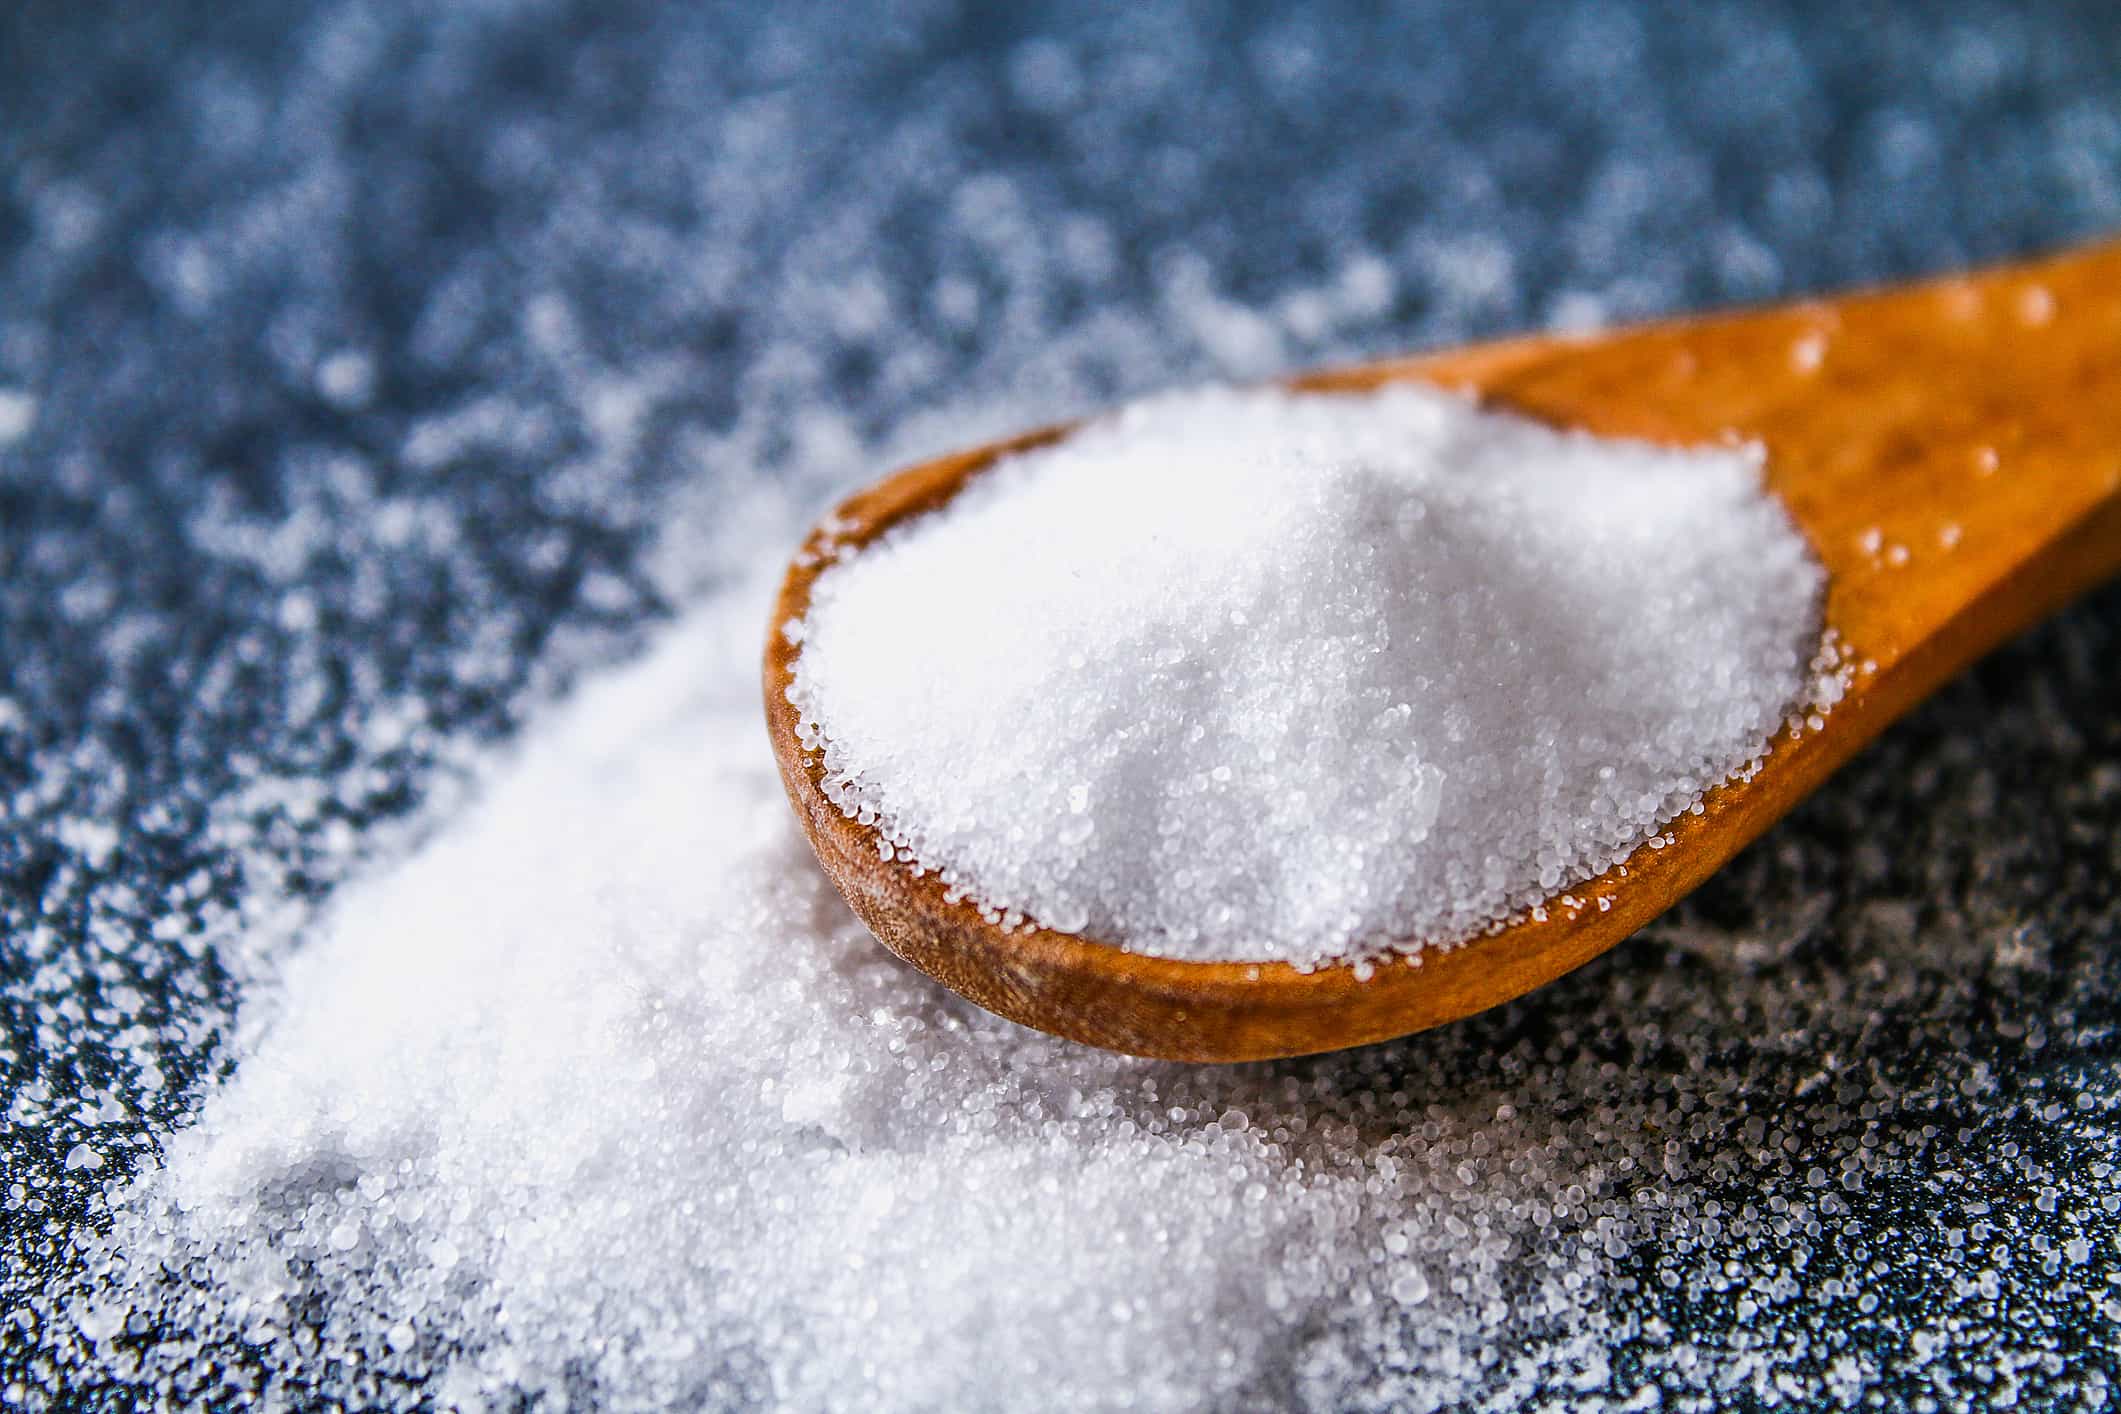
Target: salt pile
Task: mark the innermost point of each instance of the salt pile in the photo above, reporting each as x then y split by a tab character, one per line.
604	1091
1254	675
601	1097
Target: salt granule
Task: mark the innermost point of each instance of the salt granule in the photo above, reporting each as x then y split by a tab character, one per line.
1253	675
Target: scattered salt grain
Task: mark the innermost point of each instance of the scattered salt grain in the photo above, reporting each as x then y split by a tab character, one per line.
18	413
658	1123
346	378
1264	676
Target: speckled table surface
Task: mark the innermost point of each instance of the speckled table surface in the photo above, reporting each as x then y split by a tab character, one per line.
277	291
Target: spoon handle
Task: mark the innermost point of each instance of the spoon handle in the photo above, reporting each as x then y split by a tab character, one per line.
1952	448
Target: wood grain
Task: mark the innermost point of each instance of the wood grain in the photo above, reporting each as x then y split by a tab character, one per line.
1952	450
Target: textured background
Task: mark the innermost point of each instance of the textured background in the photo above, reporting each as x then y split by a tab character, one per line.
361	366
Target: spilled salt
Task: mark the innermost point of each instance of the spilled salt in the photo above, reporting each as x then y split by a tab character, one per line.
600	1097
1264	676
603	1093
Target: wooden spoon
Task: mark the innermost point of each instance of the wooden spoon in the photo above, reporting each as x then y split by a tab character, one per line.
1952	450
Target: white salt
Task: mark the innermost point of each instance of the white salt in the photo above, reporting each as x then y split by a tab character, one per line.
18	413
600	1098
631	1113
1264	676
347	377
604	1091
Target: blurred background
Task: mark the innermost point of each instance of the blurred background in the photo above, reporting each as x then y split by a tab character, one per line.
368	371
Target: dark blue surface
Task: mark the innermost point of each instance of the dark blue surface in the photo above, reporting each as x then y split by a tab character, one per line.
203	583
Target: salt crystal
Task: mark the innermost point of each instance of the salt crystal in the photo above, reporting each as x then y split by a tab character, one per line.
18	413
346	378
1411	1287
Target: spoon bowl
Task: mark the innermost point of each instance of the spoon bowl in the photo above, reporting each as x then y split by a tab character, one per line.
1951	450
